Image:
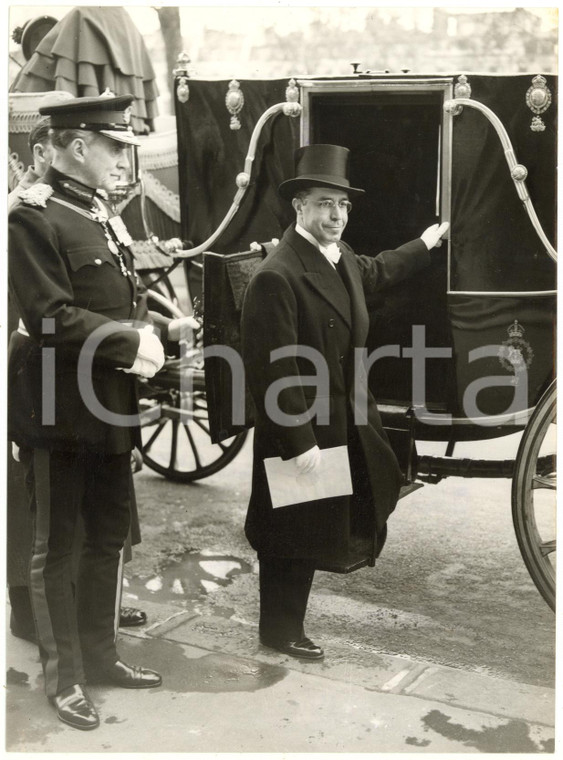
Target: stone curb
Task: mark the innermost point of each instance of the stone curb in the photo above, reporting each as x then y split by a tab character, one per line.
373	670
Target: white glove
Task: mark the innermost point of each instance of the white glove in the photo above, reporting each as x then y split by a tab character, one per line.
178	328
150	354
136	460
308	461
432	236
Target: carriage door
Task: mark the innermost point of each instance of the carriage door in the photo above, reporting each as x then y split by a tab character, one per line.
400	147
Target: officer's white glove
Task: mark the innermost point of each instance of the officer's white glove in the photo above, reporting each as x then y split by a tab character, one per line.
150	354
432	236
136	460
182	326
308	461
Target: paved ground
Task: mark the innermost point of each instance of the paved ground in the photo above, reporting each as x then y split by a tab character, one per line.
446	647
223	693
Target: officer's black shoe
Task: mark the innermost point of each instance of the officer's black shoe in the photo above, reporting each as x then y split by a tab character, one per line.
130	616
305	649
74	708
121	674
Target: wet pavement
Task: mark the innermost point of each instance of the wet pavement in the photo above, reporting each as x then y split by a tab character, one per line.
445	647
188	579
224	693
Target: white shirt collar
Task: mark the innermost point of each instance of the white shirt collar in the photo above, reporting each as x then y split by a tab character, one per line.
313	240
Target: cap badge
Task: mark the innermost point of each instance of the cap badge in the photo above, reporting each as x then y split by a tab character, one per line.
36	195
127	115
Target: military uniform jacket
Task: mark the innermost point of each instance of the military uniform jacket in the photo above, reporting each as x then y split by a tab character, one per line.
296	298
68	287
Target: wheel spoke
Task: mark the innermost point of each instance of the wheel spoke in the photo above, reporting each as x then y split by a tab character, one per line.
547	547
194	447
533	510
200	424
173	446
154	436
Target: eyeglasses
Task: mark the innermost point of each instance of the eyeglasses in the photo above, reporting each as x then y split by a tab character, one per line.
330	205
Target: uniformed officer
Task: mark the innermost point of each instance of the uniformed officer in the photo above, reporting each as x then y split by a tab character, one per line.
84	336
22	624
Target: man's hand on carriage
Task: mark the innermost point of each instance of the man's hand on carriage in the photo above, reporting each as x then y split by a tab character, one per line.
182	327
432	237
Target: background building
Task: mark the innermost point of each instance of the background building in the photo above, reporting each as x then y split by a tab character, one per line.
265	41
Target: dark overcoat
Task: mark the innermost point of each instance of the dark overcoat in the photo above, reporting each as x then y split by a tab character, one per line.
296	298
62	270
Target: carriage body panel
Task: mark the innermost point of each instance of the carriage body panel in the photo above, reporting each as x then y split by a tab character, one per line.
419	164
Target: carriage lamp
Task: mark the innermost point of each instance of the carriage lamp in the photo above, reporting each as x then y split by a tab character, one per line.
181	74
234	100
538	100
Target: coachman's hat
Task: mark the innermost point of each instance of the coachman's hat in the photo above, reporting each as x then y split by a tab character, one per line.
33	32
319	166
107	114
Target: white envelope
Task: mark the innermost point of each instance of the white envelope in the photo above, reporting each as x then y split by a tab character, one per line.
331	478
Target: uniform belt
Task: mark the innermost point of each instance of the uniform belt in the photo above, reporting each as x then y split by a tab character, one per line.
22	329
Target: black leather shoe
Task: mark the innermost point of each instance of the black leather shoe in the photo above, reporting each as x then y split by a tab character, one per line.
74	707
130	616
126	676
304	649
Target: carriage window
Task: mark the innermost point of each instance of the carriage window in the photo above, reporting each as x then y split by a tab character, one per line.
395	142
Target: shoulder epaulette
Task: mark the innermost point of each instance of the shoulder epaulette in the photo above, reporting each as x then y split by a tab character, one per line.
36	195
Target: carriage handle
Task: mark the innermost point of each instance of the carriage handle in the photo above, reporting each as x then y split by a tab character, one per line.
518	172
289	108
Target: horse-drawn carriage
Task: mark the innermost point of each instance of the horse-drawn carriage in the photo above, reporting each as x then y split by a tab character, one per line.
463	353
466	352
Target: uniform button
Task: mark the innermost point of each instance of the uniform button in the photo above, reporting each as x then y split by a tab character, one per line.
97	261
340	359
331	322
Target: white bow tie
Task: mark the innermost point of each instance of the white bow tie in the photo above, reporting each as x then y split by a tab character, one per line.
332	252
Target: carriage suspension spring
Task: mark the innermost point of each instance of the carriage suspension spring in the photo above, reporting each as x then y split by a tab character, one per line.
433	469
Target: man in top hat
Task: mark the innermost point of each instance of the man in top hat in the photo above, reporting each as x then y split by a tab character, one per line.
306	301
82	340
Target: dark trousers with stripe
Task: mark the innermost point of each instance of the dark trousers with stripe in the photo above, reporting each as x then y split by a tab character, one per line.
285	585
74	628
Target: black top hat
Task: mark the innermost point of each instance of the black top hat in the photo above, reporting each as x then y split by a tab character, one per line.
319	166
107	114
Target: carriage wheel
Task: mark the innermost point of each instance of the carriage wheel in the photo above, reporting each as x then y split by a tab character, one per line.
175	423
533	495
177	444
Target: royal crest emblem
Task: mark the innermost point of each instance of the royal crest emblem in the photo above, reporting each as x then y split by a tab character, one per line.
516	354
36	195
